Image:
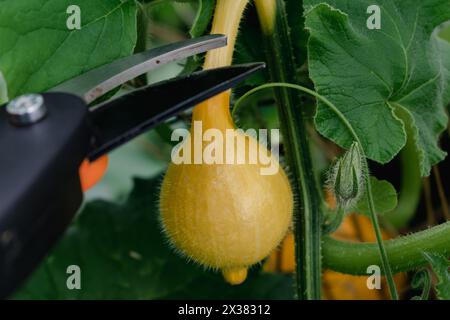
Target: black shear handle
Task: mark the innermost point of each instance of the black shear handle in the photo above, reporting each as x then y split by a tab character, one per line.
40	189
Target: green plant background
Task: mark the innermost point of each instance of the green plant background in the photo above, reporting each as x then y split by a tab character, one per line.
116	238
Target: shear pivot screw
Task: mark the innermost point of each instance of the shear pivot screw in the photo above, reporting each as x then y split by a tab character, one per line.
26	109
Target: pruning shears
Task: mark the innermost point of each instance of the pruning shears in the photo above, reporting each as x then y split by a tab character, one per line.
46	137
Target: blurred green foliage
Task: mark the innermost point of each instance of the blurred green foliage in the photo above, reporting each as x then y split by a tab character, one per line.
123	254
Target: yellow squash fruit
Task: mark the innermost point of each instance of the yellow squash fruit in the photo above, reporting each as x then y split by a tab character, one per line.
225	216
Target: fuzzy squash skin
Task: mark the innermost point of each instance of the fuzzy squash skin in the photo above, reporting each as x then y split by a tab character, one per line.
225	216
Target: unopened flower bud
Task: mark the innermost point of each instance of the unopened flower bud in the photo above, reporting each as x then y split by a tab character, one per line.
348	177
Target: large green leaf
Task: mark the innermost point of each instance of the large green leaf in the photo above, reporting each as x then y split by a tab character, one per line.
441	267
381	80
123	254
38	51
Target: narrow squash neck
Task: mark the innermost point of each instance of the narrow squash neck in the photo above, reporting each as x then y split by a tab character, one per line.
215	113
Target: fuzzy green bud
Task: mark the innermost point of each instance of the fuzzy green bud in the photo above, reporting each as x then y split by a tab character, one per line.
348	177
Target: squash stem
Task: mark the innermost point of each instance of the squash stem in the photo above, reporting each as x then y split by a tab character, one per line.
410	188
307	210
405	252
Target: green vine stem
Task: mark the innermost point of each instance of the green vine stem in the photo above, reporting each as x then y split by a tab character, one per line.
373	216
405	252
410	188
382	249
307	211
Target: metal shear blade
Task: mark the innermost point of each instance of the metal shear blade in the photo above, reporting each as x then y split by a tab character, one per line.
117	122
95	83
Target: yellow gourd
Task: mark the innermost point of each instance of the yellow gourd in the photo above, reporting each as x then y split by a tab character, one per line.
225	216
